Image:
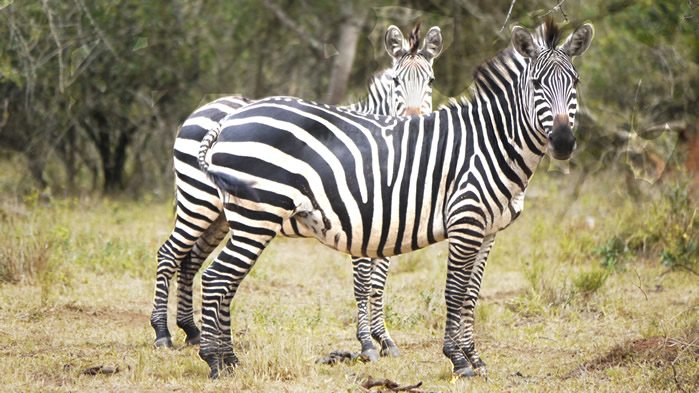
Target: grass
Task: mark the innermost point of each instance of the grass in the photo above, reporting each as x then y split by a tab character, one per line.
578	296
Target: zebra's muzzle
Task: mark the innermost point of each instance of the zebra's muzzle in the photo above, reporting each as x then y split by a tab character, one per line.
561	140
411	111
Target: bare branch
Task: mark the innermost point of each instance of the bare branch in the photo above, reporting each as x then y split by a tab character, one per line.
52	27
99	31
300	30
557	6
563	13
509	12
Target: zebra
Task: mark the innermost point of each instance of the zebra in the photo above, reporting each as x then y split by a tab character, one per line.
381	186
404	88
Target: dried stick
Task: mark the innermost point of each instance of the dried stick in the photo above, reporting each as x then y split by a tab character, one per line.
286	20
509	12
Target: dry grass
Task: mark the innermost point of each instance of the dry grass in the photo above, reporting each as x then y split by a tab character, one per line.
548	319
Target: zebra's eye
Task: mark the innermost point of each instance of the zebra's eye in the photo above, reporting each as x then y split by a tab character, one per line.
430	82
536	84
576	81
396	81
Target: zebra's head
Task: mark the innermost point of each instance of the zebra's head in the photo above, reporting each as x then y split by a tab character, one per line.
552	81
412	69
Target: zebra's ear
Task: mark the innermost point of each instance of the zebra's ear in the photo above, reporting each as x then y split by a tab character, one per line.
523	42
578	42
433	43
394	42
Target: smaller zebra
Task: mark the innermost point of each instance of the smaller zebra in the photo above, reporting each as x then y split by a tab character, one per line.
199	227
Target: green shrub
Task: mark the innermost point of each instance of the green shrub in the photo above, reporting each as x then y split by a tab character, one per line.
661	228
588	282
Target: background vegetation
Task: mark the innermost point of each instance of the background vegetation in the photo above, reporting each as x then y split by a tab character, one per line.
594	288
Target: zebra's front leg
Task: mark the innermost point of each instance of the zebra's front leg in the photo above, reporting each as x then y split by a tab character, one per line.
204	246
463	250
379	273
362	268
221	280
467	342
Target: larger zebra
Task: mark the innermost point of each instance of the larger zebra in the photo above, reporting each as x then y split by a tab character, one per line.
381	186
406	88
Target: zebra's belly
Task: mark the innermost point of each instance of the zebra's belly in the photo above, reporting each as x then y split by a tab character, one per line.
379	244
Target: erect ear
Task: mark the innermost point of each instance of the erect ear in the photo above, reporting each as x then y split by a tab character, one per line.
433	43
394	42
578	42
523	42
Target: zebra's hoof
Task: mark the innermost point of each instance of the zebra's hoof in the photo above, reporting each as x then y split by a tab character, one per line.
371	354
163	342
216	373
483	373
195	340
465	372
392	352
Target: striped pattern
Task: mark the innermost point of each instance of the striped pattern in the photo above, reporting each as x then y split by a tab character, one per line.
199	226
381	186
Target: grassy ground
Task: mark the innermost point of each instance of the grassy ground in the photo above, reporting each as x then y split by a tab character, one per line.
588	291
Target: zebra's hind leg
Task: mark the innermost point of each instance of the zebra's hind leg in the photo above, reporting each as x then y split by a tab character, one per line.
362	268
204	246
169	260
466	342
379	272
251	232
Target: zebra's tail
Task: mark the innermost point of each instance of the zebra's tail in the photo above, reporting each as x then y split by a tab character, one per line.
206	144
228	185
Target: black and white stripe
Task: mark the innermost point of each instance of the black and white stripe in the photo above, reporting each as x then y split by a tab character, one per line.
380	186
199	226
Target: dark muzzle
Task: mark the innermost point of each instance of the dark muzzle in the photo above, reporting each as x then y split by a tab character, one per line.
561	139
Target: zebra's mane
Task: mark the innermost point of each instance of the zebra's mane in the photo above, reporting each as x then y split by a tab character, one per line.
415	39
547	35
374	80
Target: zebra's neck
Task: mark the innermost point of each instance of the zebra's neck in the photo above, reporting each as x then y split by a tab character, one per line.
378	99
499	111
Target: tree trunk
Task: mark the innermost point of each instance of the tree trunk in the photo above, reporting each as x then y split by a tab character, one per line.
350	30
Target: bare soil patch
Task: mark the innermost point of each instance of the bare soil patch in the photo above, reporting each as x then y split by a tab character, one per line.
128	319
656	350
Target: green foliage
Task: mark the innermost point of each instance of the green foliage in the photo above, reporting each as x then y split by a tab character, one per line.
660	227
615	253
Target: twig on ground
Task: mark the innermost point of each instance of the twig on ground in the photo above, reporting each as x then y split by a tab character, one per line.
640	283
509	12
547	338
687	268
682	343
390	385
674	376
371	382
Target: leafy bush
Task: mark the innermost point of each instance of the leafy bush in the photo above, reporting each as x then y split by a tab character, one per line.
662	227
